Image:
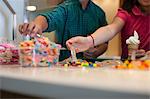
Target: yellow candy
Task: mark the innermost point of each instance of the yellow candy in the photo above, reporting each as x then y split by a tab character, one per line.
130	66
78	63
84	64
95	65
126	62
66	65
147	62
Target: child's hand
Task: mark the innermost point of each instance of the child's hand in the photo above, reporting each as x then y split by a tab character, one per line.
140	53
79	43
30	29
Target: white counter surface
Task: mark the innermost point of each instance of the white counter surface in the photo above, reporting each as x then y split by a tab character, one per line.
74	82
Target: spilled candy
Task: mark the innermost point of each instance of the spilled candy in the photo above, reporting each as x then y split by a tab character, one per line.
134	65
80	63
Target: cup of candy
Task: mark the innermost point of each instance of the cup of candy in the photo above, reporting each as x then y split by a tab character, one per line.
8	53
40	52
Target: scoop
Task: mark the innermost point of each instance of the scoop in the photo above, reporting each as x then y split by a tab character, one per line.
73	55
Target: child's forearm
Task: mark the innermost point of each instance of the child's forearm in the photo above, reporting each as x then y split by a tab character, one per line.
106	33
102	35
41	22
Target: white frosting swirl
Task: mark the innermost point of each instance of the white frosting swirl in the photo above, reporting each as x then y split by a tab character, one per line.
133	39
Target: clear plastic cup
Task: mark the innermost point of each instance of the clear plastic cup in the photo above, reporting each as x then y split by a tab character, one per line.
9	56
39	57
8	52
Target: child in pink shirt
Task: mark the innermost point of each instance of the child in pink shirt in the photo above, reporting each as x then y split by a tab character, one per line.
133	16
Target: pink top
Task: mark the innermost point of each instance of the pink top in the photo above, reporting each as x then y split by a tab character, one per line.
135	20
